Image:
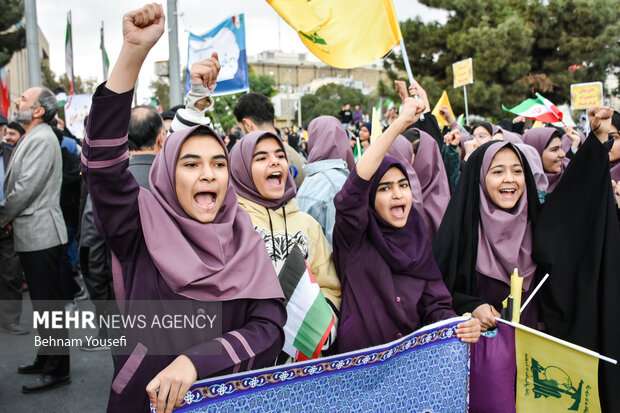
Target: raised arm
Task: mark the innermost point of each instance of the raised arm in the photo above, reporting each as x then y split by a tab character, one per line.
351	220
105	156
142	28
203	77
370	161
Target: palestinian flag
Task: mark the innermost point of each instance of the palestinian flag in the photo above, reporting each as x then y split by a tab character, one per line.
540	109
310	318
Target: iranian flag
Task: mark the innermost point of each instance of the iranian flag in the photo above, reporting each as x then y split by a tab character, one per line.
310	318
540	109
69	53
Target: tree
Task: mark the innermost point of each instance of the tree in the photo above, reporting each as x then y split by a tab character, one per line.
329	100
519	47
263	84
161	90
222	113
49	80
12	32
80	86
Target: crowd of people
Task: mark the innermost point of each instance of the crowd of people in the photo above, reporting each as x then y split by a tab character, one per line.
422	224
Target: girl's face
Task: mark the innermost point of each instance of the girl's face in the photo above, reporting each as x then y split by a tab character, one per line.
269	168
505	180
364	133
480	135
201	177
393	198
552	156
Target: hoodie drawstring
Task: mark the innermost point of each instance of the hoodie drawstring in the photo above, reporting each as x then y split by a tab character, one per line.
273	242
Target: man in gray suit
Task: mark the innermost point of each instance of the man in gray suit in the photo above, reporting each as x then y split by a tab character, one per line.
32	209
146	135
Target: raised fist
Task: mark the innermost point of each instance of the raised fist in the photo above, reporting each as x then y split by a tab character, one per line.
144	27
206	71
411	110
600	121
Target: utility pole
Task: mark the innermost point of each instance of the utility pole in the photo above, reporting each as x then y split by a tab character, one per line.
32	43
174	69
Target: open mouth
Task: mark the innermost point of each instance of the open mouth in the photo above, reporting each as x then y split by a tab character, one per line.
507	193
205	200
275	178
397	211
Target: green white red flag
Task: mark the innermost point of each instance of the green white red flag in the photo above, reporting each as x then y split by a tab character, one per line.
69	53
540	109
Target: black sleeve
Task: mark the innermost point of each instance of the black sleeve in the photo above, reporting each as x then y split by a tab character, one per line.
579	302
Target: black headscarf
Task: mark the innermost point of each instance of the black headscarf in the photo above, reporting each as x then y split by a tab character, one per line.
456	244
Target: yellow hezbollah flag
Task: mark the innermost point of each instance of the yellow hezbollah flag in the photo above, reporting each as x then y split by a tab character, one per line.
553	377
343	33
443	101
376	126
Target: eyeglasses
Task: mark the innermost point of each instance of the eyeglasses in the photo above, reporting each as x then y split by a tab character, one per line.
480	136
614	135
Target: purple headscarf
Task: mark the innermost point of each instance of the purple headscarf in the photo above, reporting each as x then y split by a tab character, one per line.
241	171
615	170
509	136
434	182
222	260
406	250
327	139
504	237
533	158
402	151
539	138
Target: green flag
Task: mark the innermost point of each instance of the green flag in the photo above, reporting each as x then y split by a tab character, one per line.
104	56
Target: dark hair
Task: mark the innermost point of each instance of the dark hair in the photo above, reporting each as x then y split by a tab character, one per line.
615	119
47	100
169	114
413	136
485	125
58	134
505	124
256	107
202	131
17	127
558	133
144	126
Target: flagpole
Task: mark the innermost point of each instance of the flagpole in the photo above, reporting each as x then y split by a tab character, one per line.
408	67
32	43
557	340
533	293
466	109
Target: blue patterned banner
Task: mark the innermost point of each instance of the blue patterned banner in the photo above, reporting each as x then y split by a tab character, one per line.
426	371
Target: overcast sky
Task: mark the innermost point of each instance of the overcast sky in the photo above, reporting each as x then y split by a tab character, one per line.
265	30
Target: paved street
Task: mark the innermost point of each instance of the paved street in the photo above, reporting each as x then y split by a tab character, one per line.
91	374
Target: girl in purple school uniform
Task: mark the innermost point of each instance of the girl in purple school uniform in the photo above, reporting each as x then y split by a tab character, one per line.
187	239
